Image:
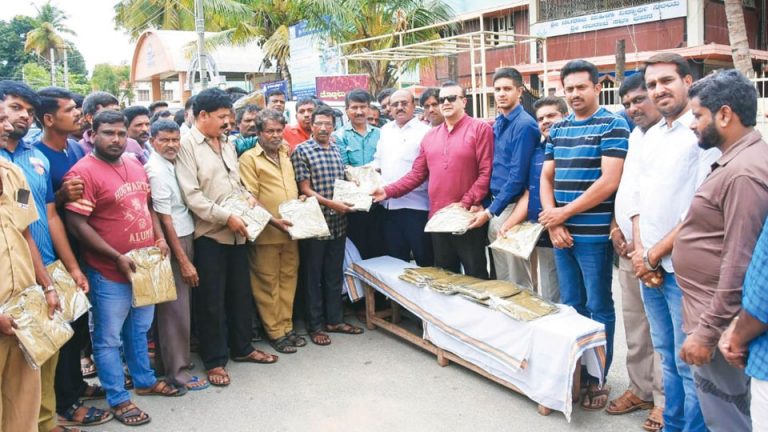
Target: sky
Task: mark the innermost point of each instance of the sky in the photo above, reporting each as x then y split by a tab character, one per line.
96	38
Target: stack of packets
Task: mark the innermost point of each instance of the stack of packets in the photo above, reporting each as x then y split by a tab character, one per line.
452	219
255	218
365	177
520	240
39	336
307	218
74	302
350	192
152	282
505	297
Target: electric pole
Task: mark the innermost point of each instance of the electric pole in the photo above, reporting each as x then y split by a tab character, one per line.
200	29
53	67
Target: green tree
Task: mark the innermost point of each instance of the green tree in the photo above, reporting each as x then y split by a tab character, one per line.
12	54
113	79
36	76
48	32
135	16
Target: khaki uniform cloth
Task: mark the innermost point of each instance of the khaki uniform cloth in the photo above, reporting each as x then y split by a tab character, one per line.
152	283
205	179
452	219
19	383
508	267
74	302
643	364
48	417
351	193
274	258
307	219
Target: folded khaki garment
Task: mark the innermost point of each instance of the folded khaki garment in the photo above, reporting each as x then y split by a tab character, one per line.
520	240
453	219
255	218
307	218
366	177
152	282
425	274
496	288
74	302
39	336
525	306
351	193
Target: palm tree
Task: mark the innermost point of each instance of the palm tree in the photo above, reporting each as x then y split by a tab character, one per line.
48	32
737	34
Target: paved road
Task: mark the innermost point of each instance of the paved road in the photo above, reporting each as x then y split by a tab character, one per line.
372	382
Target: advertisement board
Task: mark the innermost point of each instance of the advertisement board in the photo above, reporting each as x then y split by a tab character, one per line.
334	88
311	56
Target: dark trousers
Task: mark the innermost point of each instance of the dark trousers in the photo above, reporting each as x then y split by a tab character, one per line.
404	233
366	230
322	265
69	383
466	250
223	300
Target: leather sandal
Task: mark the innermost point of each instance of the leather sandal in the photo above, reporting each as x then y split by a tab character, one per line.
627	403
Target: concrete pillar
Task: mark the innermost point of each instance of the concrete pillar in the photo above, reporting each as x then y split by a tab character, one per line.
695	23
157	92
184	94
533	18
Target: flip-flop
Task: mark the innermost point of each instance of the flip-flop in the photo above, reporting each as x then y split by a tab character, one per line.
315	334
344	328
248	359
219	372
204	384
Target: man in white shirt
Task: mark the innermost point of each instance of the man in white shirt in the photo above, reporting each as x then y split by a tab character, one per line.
672	168
643	366
397	149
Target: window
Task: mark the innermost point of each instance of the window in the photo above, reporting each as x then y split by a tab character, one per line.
142	95
167	95
500	25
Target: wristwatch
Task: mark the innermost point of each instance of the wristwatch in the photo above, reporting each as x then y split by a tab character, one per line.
48	289
647	261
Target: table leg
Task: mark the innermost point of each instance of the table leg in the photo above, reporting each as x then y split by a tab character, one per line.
544	411
441	360
395	311
370	306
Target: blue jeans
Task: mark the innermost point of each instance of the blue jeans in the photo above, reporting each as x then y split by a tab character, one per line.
116	324
585	272
664	308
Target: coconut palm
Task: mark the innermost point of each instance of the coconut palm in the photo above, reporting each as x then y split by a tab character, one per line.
48	32
737	34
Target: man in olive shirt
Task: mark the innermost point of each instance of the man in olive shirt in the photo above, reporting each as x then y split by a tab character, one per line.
207	173
268	174
713	249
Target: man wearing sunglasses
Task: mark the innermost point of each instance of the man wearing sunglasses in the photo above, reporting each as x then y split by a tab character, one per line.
456	159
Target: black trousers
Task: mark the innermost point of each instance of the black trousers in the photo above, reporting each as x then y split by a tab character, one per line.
366	230
467	250
404	232
69	383
223	300
322	265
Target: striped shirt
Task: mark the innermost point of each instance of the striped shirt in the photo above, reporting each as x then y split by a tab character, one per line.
577	147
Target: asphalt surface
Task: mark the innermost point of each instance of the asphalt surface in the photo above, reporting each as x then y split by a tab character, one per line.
370	382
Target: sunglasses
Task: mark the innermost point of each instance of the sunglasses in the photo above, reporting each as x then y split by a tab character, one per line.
451	98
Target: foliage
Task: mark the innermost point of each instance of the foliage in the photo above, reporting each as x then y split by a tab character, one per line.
37	77
113	79
48	32
12	54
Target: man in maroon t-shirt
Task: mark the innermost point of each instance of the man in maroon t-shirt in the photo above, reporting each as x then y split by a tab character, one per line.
110	219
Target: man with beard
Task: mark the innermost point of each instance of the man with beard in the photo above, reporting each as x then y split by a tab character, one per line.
357	142
317	164
428	101
405	217
671	168
110	219
268	174
644	370
584	158
173	317
207	173
717	238
246	124
301	131
515	135
138	127
456	159
92	104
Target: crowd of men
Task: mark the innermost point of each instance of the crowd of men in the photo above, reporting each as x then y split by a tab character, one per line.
679	193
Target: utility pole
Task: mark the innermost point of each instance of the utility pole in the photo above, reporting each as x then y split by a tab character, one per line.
66	69
53	67
200	29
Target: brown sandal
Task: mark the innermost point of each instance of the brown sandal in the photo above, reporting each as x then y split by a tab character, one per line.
320	338
344	328
218	377
257	356
162	388
129	414
594	392
655	420
627	403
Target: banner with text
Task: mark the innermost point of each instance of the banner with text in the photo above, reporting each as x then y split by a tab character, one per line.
334	88
616	18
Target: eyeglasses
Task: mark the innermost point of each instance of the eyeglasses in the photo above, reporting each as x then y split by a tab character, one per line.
399	104
451	98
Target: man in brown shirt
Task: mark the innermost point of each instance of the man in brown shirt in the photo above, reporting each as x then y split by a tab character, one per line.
715	243
207	173
268	174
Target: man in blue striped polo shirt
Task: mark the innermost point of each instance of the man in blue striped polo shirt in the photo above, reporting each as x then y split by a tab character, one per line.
584	159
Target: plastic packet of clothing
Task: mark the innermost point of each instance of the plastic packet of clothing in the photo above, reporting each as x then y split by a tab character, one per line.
255	218
39	336
351	193
74	302
496	288
307	218
520	240
422	275
525	306
366	177
452	219
153	281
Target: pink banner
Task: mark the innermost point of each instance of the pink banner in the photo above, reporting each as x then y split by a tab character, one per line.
334	88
